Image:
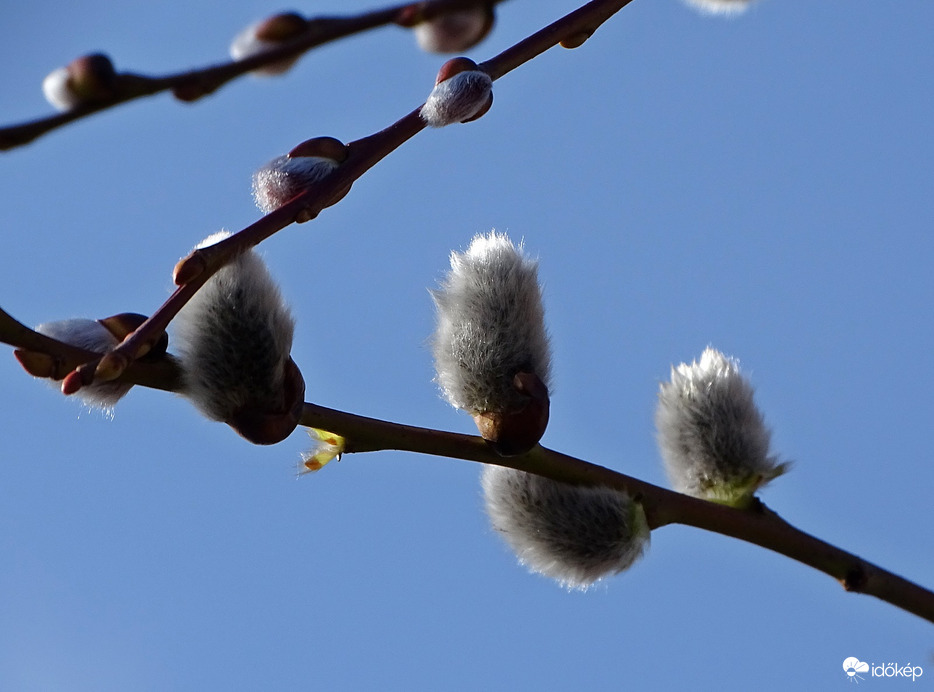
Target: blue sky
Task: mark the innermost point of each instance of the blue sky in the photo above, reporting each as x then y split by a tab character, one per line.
762	185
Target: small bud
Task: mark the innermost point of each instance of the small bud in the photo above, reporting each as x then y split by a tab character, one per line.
266	35
573	534
234	338
456	31
124	324
188	269
90	335
462	93
284	177
36	364
85	80
326	446
721	7
576	40
515	432
712	436
490	347
111	366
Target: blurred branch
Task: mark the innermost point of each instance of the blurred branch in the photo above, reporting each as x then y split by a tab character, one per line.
191	85
63	358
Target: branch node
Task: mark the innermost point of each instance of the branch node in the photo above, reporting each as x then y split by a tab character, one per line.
576	40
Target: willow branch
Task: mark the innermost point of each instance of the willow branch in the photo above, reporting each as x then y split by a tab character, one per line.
191	85
194	271
757	524
164	374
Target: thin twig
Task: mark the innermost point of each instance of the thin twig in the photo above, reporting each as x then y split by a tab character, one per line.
164	373
191	85
363	154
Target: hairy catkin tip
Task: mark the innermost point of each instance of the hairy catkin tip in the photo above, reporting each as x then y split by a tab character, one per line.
490	327
462	93
712	436
92	336
455	32
573	534
234	337
720	7
284	177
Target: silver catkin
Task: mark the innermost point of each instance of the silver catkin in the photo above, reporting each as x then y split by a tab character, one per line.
575	535
711	434
234	337
491	325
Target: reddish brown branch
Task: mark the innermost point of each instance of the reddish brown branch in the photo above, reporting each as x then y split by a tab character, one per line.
63	358
363	154
193	84
662	507
757	524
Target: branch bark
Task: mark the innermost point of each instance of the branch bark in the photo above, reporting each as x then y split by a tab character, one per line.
191	85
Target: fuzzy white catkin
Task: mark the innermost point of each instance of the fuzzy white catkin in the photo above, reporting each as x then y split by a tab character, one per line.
93	336
57	90
453	32
491	325
457	98
575	535
711	434
234	337
284	177
720	7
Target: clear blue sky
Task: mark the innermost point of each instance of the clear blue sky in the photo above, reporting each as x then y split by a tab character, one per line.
762	185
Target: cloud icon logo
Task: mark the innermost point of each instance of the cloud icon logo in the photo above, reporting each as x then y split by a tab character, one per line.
852	666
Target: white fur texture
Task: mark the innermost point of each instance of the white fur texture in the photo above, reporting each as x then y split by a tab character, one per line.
721	7
93	336
712	437
458	98
282	178
453	32
234	339
575	535
491	325
57	90
246	44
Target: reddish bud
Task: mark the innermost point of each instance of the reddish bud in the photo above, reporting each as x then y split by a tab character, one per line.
281	27
266	35
462	94
516	432
36	364
124	324
88	79
285	177
188	269
455	32
271	427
